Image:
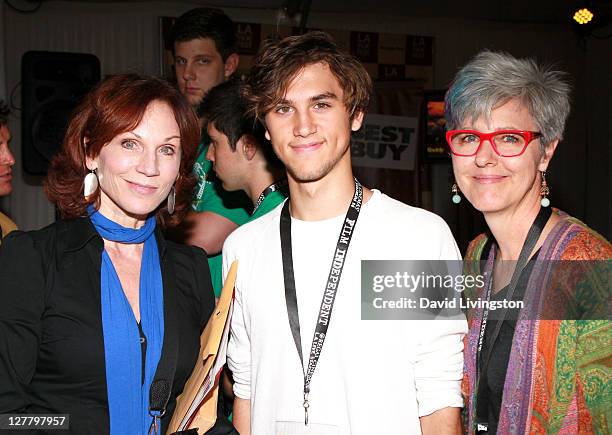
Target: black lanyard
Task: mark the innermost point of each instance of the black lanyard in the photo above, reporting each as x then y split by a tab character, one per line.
482	361
268	190
329	295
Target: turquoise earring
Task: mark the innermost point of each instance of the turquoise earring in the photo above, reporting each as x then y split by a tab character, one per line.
456	198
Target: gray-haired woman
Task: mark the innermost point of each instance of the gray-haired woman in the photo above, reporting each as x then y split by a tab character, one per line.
523	374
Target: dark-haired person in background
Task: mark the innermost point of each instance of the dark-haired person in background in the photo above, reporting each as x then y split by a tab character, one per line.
7	160
242	157
204	47
96	303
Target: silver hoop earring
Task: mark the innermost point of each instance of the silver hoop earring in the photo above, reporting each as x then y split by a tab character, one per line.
171	200
90	184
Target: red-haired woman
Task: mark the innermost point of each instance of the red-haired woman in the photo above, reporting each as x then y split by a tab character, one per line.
98	310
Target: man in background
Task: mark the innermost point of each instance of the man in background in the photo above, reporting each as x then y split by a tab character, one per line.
242	157
204	48
7	160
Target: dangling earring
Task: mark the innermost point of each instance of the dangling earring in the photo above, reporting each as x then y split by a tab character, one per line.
544	190
90	184
455	191
171	200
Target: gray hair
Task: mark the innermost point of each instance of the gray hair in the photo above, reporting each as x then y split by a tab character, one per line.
491	79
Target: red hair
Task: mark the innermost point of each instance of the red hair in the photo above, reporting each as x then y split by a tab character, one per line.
116	106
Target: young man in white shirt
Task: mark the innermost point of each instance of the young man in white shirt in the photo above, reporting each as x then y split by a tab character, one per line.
356	377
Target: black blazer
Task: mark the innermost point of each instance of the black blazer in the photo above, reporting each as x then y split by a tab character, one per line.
51	341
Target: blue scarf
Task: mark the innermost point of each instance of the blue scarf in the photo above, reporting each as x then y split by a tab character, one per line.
128	398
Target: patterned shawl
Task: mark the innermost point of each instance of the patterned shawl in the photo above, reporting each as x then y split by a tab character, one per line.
559	373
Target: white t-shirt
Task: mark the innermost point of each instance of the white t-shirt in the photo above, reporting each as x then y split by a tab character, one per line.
373	377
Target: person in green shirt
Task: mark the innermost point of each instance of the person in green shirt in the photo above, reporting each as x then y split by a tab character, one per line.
204	50
216	213
241	155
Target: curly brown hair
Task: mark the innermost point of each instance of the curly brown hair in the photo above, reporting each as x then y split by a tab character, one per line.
278	62
116	106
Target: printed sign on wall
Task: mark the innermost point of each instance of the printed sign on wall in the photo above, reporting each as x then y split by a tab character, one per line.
385	142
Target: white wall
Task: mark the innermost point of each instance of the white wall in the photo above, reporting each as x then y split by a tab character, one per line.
125	36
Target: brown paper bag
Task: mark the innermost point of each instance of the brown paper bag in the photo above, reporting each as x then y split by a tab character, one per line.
200	412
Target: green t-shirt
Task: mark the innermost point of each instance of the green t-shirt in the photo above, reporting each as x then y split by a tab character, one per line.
269	203
210	196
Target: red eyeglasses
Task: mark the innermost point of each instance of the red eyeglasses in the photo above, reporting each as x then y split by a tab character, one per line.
505	143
